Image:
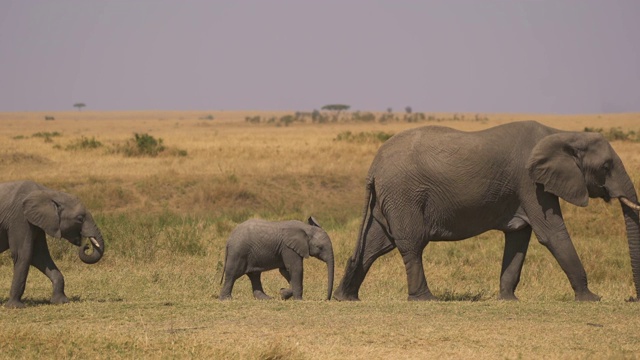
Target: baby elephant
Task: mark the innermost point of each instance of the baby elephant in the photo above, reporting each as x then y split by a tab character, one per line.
258	245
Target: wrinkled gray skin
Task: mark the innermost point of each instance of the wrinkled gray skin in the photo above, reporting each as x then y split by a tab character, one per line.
258	245
439	184
29	210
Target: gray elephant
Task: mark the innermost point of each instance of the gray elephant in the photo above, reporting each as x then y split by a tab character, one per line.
439	184
29	210
258	245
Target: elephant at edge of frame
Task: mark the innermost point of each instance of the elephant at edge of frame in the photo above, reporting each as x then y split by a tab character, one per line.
439	184
28	211
258	245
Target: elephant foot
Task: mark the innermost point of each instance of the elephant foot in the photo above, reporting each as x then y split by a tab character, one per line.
587	296
224	297
286	294
423	297
341	296
14	304
261	295
508	297
59	299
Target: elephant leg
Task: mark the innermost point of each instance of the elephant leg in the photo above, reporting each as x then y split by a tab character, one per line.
376	244
21	262
416	281
293	266
229	280
515	251
42	261
256	285
550	229
288	292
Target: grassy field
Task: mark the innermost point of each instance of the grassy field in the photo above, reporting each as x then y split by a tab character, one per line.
166	218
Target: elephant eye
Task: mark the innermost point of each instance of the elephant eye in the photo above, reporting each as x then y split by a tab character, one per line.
606	167
80	218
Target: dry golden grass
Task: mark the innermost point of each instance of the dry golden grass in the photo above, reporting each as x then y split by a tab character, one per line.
166	219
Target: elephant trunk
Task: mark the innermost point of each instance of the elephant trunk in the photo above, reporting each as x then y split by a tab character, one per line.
629	202
330	268
91	251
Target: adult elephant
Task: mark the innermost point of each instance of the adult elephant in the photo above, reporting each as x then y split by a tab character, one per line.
29	210
439	184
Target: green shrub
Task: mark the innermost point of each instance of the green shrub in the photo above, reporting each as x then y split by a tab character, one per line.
84	143
47	136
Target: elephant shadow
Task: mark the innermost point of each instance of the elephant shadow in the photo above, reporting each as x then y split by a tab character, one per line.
45	301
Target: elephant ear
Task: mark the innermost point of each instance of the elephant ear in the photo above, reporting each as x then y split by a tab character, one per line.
42	211
298	241
312	221
555	163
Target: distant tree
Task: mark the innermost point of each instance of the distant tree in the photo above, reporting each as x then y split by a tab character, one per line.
79	106
389	110
337	108
408	109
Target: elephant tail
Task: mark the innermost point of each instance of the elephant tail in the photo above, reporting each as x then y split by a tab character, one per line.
224	265
367	214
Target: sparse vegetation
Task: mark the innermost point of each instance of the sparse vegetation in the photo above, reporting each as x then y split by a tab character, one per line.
615	134
84	143
47	136
166	220
364	137
79	106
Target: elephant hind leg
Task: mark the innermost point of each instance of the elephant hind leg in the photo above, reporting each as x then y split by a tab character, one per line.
515	251
256	285
416	280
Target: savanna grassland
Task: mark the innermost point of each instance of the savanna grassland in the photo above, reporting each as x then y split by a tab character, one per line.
165	219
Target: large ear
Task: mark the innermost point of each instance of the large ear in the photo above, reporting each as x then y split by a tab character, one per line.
42	211
555	163
312	221
298	241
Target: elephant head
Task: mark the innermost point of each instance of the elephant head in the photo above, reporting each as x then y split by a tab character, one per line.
62	215
577	166
316	243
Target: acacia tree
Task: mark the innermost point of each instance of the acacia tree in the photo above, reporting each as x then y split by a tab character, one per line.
338	108
79	106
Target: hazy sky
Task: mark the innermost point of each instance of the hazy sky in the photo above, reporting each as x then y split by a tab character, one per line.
536	56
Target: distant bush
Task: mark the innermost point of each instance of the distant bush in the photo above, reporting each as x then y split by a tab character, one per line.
363	137
47	136
147	145
615	134
84	143
207	117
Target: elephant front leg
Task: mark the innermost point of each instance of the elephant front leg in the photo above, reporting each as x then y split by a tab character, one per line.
42	261
287	293
295	271
256	285
515	251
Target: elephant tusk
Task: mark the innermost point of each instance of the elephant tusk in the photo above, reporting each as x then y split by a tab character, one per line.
629	203
94	242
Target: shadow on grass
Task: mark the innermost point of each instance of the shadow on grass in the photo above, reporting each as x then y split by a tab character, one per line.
42	301
466	296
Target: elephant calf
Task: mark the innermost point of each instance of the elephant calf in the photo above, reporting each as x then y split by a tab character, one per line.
28	211
258	245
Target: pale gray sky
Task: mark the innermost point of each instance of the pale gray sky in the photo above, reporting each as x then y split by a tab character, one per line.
535	56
